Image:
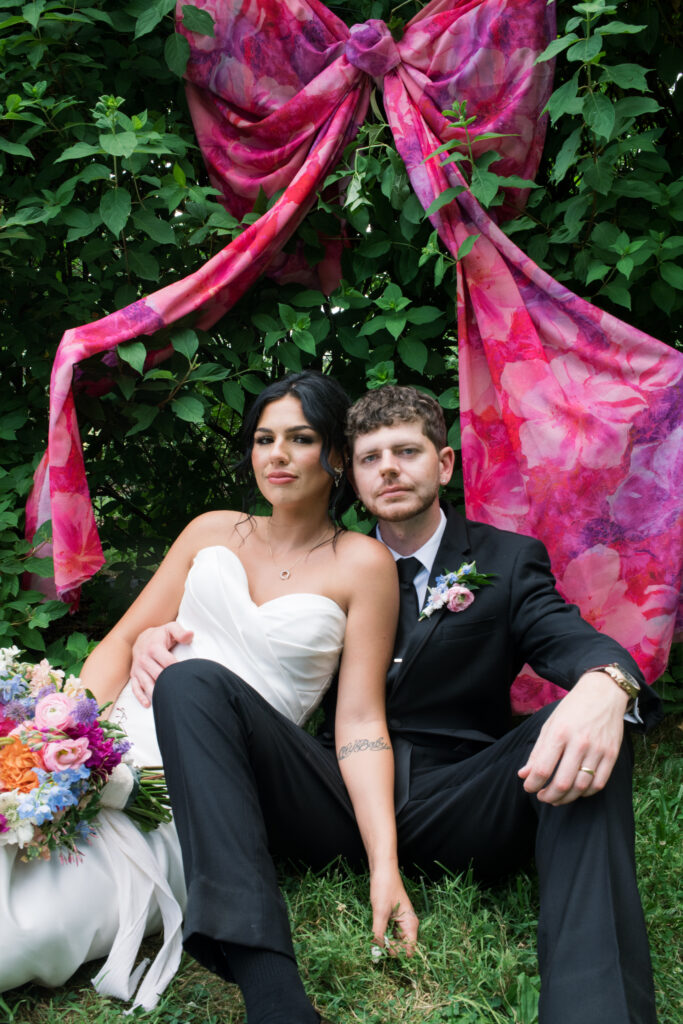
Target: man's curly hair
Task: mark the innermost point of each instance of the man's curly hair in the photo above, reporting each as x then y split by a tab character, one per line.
393	404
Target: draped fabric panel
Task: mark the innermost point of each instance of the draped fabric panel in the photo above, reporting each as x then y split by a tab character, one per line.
571	420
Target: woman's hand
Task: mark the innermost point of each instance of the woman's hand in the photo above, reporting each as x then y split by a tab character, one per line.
394	922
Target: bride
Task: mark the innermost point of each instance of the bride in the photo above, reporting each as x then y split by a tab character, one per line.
273	599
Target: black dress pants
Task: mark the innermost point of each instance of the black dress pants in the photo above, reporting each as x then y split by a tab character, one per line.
247	784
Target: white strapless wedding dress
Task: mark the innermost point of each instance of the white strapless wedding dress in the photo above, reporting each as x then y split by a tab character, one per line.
55	916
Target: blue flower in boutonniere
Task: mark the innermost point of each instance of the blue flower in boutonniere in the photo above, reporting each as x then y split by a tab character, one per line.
454	590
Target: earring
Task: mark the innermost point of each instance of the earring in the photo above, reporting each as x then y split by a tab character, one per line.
338	473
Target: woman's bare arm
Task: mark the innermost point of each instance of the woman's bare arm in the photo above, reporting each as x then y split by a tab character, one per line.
361	735
107	669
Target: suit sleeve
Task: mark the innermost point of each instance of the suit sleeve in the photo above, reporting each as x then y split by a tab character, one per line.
552	637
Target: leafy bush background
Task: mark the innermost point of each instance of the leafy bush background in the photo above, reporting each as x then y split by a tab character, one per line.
105	197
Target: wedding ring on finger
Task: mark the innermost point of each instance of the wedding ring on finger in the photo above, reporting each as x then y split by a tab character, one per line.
585	768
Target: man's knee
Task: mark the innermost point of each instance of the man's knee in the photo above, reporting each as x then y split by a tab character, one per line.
197	682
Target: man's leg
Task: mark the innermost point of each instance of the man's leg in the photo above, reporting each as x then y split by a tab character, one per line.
244	782
593	952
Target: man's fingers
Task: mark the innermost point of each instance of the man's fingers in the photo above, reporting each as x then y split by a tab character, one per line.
179	634
142	689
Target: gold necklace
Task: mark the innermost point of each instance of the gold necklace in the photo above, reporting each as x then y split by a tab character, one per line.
285	574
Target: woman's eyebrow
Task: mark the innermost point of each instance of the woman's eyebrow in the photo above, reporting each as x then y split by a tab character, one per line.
288	430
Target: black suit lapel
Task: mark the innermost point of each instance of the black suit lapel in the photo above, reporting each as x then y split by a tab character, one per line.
453	551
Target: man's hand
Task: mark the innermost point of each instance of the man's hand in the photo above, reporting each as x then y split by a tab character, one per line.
392	912
584	732
151	654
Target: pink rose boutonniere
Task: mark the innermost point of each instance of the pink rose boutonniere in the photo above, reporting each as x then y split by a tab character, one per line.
454	590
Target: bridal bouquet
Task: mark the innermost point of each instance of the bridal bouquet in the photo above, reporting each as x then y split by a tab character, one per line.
61	763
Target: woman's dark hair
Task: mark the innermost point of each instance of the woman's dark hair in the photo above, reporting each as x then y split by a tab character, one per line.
324	403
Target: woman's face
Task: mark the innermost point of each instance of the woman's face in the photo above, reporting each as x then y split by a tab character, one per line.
286	456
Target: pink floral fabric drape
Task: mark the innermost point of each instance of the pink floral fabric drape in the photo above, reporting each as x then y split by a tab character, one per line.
570	419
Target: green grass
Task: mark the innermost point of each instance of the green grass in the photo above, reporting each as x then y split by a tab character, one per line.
476	963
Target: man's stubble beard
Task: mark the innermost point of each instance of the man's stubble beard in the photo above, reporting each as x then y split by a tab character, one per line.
402	516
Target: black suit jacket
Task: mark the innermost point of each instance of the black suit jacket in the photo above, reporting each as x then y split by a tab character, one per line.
458	667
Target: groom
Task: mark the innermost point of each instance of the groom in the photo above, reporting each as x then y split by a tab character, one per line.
469	789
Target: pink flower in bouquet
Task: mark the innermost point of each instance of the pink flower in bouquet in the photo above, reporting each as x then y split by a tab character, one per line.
458	598
6	724
66	754
53	712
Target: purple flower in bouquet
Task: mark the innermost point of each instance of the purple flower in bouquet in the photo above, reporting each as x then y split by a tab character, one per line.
105	753
86	711
4	827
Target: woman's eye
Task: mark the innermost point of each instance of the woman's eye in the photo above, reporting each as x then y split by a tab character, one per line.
303	439
262	440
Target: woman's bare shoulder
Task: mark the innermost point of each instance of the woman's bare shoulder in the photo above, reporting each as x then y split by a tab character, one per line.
360	551
221	526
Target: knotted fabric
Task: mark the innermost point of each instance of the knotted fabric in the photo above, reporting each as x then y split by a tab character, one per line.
571	420
372	49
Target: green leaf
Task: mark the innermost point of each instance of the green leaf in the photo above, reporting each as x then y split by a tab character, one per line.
395	322
234	395
663	296
188	408
466	247
565	100
555	47
148	21
32	12
634	106
413	353
626	76
158	230
423	314
672	274
371	249
304	340
196	20
143	416
618	293
450	399
76	152
121	144
115	209
566	156
309	299
177	53
586	49
444	199
134	353
613	28
186	342
377	323
15	148
484	186
596	272
143	264
599	114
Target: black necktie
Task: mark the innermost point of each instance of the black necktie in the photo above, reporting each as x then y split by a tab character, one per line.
408	569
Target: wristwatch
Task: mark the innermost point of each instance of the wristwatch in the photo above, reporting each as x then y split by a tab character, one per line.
623	679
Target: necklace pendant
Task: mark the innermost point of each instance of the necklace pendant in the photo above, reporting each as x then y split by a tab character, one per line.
285	574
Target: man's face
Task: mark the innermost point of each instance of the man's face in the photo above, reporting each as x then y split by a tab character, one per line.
397	471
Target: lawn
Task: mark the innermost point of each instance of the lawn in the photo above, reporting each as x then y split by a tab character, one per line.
476	963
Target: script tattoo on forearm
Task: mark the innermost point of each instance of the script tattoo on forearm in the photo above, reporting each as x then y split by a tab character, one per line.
353	748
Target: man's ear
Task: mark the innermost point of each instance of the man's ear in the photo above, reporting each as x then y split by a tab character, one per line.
446	465
350	477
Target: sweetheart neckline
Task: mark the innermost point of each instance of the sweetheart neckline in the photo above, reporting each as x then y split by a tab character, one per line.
272	600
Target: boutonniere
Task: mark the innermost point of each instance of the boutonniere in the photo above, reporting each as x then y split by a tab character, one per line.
454	590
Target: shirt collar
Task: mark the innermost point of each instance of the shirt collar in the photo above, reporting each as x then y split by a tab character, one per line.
427	553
